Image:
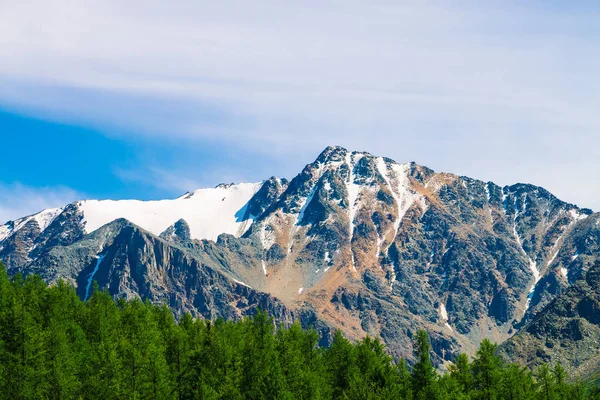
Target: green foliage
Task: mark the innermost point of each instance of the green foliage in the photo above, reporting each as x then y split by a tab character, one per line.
424	377
55	346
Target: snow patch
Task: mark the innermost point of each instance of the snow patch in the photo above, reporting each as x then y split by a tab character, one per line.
353	192
305	204
444	315
44	218
577	216
515	225
487	192
267	238
565	272
532	264
208	212
536	276
534	270
264	267
5	231
300	290
379	242
99	260
397	180
443	312
553	258
241	283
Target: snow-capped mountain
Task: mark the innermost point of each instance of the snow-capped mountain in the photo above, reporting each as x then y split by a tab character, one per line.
209	212
354	241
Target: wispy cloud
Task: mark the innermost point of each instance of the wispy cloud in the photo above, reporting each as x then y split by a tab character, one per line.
486	89
17	200
178	181
159	178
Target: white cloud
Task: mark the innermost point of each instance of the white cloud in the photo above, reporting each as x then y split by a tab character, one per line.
17	200
498	91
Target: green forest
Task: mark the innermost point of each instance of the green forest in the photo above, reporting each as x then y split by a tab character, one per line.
53	345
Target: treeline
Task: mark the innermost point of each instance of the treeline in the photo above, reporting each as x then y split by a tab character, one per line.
55	346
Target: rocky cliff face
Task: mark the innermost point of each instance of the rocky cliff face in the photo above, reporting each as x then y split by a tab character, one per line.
566	330
354	242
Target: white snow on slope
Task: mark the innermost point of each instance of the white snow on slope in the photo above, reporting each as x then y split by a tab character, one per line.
487	191
444	315
556	249
443	312
534	270
208	212
91	277
264	267
353	191
401	177
306	204
553	258
5	232
565	272
577	216
532	264
241	283
267	238
536	276
44	218
399	185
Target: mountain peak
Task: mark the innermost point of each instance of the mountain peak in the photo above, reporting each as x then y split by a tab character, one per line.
332	154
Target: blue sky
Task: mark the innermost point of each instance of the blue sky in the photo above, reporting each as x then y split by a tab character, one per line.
141	99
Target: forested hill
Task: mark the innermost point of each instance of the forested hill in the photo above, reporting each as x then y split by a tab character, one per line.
53	345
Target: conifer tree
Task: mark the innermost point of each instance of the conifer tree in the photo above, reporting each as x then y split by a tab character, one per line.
340	361
66	341
423	375
546	382
486	371
516	382
404	380
460	371
262	376
102	361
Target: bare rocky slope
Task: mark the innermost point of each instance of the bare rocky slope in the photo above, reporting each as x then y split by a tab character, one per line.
566	330
354	242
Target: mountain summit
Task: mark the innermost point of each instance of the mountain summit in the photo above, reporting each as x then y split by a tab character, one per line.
354	242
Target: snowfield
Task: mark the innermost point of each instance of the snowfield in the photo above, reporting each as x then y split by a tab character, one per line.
208	212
